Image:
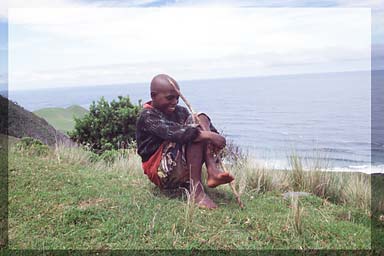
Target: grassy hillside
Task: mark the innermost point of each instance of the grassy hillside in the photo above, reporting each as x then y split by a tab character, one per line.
23	123
63	200
3	189
62	118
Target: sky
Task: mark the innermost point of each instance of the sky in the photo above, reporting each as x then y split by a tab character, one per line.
61	43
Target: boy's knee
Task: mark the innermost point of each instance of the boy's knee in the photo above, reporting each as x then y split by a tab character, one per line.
204	117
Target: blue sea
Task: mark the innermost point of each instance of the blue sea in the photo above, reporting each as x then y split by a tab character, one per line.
312	115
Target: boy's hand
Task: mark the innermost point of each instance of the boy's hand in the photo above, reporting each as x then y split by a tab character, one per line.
216	139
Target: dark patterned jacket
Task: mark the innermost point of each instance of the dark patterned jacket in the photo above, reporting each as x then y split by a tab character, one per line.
154	127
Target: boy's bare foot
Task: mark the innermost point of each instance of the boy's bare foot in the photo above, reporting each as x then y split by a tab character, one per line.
206	202
219	178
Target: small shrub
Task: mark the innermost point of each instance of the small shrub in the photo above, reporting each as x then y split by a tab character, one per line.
109	156
93	157
32	146
28	142
112	156
107	126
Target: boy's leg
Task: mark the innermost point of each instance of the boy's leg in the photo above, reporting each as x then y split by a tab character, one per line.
195	159
215	176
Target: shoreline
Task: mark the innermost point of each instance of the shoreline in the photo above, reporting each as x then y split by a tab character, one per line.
284	165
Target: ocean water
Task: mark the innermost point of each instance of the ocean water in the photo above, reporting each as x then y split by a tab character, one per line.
326	116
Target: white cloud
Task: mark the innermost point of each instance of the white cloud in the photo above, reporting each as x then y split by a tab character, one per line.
52	47
281	3
360	3
5	5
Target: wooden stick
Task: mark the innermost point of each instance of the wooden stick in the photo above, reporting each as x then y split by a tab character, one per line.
233	187
194	117
196	121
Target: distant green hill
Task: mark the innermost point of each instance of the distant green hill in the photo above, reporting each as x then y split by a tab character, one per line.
19	122
62	118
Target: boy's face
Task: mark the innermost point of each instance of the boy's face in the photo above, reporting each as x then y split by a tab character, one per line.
165	100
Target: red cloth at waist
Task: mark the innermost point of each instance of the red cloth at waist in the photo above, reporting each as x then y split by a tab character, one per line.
148	105
152	164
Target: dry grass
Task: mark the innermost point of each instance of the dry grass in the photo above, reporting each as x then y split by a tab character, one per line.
253	177
377	182
305	174
297	173
357	190
127	161
74	154
347	188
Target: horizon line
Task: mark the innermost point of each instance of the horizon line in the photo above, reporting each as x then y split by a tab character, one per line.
186	80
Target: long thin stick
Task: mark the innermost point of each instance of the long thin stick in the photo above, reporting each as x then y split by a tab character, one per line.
196	121
233	187
194	117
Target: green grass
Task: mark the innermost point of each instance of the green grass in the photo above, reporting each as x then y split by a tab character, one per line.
3	189
62	118
63	201
378	211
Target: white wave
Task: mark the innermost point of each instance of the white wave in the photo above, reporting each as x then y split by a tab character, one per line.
368	169
279	164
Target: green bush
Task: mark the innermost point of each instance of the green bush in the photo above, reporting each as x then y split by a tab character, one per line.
109	156
32	146
93	157
107	126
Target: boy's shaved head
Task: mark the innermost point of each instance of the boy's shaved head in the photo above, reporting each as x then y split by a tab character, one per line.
160	83
163	94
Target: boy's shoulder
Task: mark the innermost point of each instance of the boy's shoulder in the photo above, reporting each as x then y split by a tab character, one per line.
153	112
147	113
178	109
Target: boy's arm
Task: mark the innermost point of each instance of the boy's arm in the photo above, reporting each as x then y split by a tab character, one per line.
212	128
167	130
213	137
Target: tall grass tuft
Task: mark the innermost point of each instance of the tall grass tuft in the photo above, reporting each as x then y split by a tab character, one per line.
357	191
297	215
259	180
190	206
237	170
297	172
126	161
73	154
377	181
236	160
308	174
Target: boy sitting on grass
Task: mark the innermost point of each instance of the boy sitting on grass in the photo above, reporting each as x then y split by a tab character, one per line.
173	149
